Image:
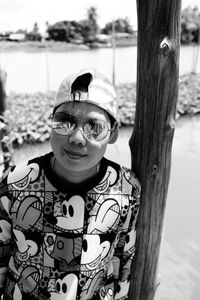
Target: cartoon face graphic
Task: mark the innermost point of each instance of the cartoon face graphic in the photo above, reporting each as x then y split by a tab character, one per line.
22	175
26	248
27	213
94	251
108	180
62	248
65	288
104	216
72	214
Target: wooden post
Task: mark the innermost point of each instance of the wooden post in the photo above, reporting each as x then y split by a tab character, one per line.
151	140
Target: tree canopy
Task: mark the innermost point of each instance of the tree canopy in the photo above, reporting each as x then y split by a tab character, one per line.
190	25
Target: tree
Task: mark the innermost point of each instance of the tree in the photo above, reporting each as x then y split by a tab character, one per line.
190	24
90	26
69	31
34	35
65	31
121	25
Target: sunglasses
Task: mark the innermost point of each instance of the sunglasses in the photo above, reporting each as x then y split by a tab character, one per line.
95	130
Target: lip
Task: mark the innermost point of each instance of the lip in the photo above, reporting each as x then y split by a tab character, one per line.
74	154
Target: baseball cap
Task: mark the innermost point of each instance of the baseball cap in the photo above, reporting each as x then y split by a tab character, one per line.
88	86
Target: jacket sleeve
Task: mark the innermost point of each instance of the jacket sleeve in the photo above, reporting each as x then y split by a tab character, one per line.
5	232
125	249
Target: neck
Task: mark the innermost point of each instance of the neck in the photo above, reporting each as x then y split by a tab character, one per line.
71	176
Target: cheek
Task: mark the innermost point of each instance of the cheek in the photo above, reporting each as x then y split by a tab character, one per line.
55	140
100	147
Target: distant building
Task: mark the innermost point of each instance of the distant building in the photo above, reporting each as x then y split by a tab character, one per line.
17	37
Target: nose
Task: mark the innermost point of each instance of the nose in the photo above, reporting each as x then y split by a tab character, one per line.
77	137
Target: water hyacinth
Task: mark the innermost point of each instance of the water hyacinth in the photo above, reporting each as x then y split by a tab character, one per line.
28	114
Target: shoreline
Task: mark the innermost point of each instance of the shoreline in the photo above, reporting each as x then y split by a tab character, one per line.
53	46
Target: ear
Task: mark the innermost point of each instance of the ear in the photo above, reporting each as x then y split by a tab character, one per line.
114	133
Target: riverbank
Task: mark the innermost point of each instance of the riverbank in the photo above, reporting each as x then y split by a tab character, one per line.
36	46
56	46
28	114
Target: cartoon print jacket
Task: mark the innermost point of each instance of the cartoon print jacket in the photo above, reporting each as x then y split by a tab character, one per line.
67	243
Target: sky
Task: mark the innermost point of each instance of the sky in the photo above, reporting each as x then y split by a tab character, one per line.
22	14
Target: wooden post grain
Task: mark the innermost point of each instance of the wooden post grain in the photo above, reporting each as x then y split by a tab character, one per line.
151	140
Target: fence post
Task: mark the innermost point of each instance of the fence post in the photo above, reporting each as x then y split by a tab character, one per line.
151	140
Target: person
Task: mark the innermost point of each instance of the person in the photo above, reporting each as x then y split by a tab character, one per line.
68	218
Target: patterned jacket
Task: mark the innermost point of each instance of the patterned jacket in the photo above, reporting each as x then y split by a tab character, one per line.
67	242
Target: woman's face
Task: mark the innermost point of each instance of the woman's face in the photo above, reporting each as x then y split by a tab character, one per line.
75	152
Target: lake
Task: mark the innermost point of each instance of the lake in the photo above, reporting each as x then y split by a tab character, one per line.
31	72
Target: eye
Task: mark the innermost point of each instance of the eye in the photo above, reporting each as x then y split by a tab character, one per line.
58	287
85	245
64	209
71	211
64	288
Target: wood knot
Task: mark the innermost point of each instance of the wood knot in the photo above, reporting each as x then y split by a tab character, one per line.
155	169
165	47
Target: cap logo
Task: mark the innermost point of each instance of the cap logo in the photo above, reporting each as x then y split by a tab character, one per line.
78	96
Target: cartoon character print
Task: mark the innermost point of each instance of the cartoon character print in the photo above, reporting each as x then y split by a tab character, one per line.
65	287
104	216
28	244
132	180
109	180
20	176
26	213
95	250
27	281
68	214
129	246
91	285
5	229
107	293
5	202
66	250
122	289
96	254
5	238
